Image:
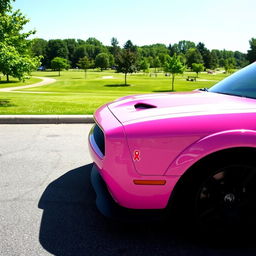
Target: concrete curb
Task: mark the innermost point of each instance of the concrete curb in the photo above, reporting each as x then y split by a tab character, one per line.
46	119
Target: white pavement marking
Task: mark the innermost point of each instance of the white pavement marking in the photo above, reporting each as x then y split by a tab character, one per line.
46	80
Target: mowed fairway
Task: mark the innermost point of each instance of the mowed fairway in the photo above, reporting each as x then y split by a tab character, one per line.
15	82
72	93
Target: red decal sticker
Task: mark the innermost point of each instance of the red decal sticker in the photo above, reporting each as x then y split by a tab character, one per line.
136	155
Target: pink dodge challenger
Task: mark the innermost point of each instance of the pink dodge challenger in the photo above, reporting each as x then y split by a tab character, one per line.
193	152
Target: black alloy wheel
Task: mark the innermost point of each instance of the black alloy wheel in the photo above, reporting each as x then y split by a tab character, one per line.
226	199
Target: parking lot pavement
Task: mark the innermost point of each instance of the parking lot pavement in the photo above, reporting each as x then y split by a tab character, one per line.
47	204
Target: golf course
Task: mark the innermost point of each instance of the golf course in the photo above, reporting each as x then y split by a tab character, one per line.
75	92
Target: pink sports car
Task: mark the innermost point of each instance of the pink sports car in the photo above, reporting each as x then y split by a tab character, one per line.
191	152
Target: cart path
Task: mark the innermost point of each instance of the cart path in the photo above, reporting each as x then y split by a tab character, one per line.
45	81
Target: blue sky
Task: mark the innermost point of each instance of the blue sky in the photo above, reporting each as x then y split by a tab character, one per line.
220	24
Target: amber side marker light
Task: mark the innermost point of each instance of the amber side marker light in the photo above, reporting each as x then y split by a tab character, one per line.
149	182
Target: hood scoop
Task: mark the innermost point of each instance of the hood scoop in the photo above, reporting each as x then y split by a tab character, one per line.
131	109
143	106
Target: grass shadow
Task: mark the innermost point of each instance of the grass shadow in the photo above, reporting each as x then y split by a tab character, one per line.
4	103
163	91
10	82
52	76
117	85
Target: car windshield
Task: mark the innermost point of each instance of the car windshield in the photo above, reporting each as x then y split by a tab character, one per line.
241	83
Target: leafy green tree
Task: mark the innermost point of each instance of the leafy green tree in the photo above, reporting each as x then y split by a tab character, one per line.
84	63
185	45
153	50
114	49
183	58
229	64
182	47
206	54
173	49
163	57
5	5
127	60
93	41
218	55
241	59
56	48
214	62
144	65
38	48
150	61
102	61
174	66
80	42
193	56
71	46
94	47
79	53
130	46
221	62
59	64
14	64
156	63
114	42
198	67
111	60
159	49
251	54
15	59
93	51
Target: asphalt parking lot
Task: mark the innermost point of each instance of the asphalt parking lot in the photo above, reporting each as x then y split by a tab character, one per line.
47	204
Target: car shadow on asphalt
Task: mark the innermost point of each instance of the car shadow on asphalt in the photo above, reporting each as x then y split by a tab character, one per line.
72	225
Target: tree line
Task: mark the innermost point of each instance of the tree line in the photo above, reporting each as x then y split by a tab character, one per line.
94	54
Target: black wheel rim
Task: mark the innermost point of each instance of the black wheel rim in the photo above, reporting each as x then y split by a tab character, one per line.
226	198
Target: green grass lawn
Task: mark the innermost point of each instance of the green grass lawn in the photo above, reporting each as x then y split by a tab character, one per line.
15	82
73	94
